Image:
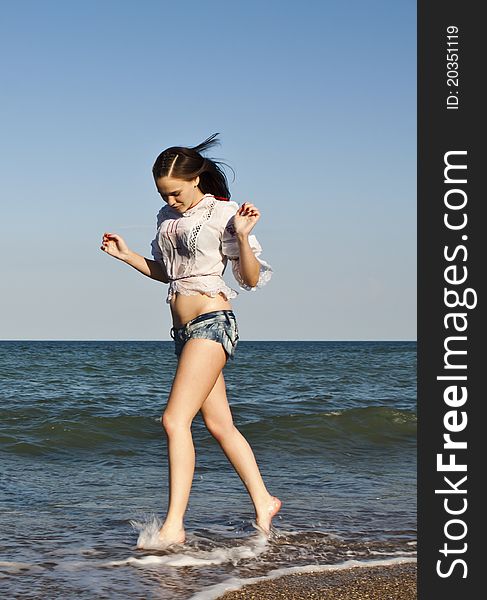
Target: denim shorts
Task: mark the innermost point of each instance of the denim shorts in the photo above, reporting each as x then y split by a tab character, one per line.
218	325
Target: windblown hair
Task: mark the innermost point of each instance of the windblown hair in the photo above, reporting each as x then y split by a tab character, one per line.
187	163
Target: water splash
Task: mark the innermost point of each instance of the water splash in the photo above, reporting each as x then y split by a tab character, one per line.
149	533
189	554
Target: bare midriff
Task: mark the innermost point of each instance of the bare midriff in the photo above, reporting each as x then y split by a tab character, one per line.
184	308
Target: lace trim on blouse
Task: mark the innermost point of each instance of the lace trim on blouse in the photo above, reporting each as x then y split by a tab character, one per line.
201	284
198	226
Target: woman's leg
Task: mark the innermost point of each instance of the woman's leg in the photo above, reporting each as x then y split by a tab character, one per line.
218	419
199	366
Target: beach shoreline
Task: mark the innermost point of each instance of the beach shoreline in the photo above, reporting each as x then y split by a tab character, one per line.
372	582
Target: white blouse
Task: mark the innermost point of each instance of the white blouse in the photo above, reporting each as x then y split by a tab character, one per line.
194	247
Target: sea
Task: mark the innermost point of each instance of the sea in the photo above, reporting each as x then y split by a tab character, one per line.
84	467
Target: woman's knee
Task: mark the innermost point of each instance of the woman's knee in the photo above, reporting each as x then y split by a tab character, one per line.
220	431
173	423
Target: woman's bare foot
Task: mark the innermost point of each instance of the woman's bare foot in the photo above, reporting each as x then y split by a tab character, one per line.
161	538
172	534
267	512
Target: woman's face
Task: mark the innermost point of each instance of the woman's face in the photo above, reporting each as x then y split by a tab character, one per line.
179	194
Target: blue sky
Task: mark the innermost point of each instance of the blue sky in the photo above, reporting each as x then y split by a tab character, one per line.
316	106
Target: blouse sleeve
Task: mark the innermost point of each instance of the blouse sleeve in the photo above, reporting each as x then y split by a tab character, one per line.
230	249
155	249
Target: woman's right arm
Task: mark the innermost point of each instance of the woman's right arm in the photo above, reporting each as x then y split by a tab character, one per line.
115	246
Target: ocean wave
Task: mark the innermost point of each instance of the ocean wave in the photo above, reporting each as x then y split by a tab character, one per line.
375	425
82	432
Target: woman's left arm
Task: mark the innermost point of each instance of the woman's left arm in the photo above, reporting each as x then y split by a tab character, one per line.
244	221
249	265
243	248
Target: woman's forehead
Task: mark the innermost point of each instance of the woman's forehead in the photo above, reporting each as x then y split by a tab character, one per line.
168	185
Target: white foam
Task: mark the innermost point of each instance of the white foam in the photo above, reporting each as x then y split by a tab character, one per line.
198	558
188	557
397	553
289	534
235	583
367	552
16	567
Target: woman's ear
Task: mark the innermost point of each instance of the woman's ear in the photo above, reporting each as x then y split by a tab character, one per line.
197	181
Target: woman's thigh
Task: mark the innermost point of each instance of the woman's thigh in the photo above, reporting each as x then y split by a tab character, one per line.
199	367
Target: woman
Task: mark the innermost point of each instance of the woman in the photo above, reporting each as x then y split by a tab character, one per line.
198	231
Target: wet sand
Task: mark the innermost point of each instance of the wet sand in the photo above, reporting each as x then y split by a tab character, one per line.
392	582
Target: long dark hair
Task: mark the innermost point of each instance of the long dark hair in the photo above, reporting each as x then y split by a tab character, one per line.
187	163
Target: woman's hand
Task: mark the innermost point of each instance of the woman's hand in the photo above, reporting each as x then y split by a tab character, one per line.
115	245
245	218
